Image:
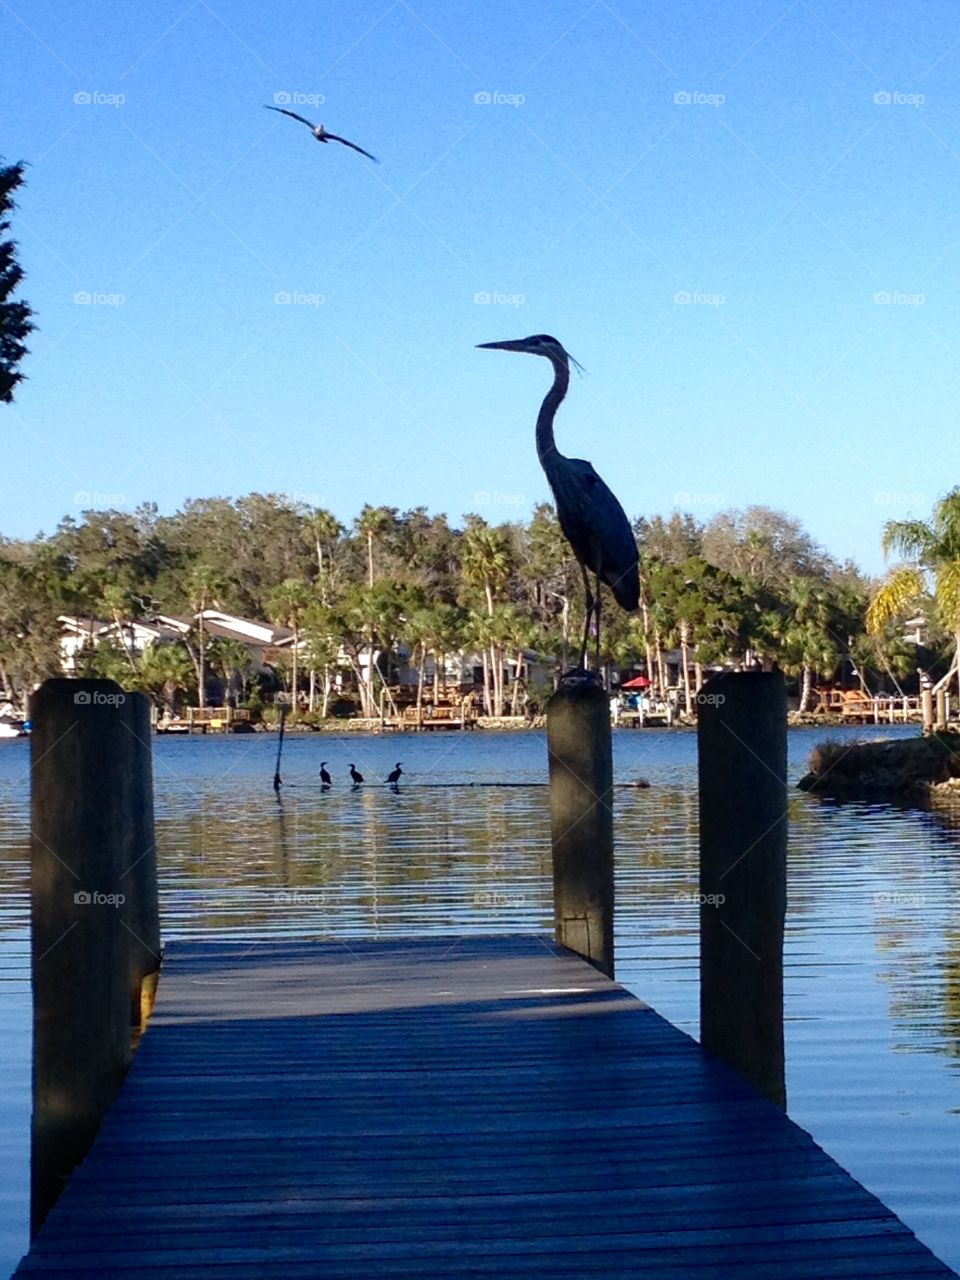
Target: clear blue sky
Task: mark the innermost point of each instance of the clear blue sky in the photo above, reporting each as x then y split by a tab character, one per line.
583	198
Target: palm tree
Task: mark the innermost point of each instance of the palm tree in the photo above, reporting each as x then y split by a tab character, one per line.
165	669
804	635
116	602
203	585
932	552
287	604
321	646
485	563
233	661
321	528
372	523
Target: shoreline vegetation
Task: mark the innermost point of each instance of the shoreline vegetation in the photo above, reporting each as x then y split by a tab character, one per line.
262	600
904	770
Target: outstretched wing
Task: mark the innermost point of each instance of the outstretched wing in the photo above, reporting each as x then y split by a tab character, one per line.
597	528
292	114
335	137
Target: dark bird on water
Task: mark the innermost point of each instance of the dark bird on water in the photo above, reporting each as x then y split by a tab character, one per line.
324	776
356	776
320	133
393	777
592	520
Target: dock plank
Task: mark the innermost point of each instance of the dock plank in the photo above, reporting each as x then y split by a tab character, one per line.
447	1107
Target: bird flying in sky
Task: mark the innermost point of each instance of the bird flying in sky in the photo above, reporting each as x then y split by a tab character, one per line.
320	133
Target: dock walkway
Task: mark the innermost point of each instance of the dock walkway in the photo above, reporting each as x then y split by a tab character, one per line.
445	1108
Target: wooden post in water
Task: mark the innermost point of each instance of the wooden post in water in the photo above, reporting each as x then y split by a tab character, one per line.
138	868
742	733
80	787
926	708
581	821
941	722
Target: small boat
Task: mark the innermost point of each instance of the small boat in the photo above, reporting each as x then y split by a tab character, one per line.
10	727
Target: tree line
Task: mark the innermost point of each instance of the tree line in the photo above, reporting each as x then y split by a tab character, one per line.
746	587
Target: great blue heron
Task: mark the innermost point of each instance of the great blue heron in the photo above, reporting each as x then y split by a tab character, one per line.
393	777
324	776
356	776
320	133
592	520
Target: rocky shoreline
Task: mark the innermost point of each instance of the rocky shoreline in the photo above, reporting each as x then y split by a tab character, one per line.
905	770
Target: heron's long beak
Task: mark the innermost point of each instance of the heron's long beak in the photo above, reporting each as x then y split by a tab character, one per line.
515	344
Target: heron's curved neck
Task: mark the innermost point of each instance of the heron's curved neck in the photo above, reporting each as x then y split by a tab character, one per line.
546	445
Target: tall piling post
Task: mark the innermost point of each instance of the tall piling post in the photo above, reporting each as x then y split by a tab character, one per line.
742	739
138	870
581	821
80	945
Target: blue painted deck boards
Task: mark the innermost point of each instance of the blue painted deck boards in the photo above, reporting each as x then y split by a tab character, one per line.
445	1108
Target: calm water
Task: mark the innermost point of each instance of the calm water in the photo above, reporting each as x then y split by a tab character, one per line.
873	932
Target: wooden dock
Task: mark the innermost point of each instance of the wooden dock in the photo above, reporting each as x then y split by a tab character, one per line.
445	1108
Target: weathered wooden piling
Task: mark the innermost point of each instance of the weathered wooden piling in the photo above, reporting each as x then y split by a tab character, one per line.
742	735
91	854
138	870
926	708
581	821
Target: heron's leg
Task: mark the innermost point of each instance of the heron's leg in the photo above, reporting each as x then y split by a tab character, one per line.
588	612
597	608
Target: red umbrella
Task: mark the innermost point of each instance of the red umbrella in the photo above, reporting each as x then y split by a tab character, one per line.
637	682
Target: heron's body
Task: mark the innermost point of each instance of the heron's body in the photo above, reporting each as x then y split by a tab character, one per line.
356	776
591	518
320	133
324	776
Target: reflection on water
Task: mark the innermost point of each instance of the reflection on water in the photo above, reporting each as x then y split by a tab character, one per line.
873	936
